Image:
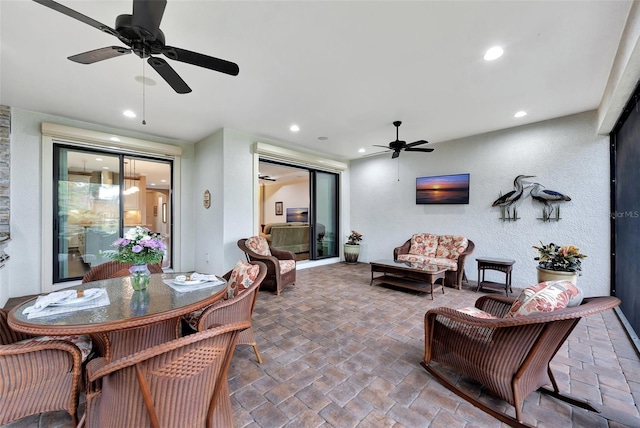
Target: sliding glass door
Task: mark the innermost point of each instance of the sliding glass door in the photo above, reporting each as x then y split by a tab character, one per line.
324	214
98	196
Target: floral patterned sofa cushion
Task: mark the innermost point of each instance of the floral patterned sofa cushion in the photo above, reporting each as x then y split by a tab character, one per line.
450	264
545	297
259	245
286	266
424	244
451	246
475	312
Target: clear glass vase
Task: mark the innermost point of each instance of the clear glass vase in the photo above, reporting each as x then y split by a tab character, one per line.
140	276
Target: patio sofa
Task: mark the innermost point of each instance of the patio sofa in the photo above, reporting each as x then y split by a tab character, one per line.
446	250
292	236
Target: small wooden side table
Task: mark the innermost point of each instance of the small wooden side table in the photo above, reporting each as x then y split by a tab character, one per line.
501	265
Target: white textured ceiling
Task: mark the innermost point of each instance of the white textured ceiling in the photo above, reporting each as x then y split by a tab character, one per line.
341	70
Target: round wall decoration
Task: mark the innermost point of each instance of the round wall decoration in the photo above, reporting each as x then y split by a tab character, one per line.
207	199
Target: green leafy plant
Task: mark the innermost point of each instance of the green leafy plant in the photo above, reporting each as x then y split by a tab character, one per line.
566	258
354	238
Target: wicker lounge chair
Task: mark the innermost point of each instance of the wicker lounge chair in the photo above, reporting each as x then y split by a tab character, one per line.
281	264
37	377
181	383
509	356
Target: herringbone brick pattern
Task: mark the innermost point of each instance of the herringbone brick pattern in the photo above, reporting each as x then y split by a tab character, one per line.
340	353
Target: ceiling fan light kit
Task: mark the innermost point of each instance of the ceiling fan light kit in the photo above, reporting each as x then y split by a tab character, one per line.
141	33
398	145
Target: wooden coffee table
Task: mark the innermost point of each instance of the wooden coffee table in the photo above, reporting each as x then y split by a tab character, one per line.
414	276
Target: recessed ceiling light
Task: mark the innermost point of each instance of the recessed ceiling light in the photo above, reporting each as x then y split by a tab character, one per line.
153	184
129	113
520	114
362	150
114	139
145	81
493	53
99	159
163	181
294	128
323	138
105	167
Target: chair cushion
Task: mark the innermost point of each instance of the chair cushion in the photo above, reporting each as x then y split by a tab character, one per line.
82	342
258	245
544	297
450	264
475	312
242	276
286	266
192	319
424	244
451	246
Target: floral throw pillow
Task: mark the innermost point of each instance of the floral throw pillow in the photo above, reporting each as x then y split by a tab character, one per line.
424	244
451	246
543	297
242	276
258	245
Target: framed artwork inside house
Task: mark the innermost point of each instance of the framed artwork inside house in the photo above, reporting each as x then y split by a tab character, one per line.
279	208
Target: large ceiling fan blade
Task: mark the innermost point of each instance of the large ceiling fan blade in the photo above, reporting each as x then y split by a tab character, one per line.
201	60
147	16
99	54
395	154
378	145
169	74
417	143
77	15
418	149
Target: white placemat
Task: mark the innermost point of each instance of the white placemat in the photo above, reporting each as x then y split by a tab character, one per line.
103	300
185	288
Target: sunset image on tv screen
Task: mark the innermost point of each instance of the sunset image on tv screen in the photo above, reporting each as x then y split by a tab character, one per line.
443	189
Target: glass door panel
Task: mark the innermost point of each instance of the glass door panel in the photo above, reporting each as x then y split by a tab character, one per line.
87	209
325	214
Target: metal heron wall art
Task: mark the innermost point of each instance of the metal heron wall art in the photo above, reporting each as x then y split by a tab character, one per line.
550	199
507	202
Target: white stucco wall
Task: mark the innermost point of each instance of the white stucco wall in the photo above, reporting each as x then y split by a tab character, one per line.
564	154
23	271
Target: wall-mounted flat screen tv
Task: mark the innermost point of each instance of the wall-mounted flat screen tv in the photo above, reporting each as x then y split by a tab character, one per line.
297	214
443	189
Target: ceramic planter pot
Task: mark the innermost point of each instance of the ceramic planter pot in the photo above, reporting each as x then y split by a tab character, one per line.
351	253
556	275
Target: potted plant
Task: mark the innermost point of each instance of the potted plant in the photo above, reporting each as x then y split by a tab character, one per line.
352	247
557	262
320	243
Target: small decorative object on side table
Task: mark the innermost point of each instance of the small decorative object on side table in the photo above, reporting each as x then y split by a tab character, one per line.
501	265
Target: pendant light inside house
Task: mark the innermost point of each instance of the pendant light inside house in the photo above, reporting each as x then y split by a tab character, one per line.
132	187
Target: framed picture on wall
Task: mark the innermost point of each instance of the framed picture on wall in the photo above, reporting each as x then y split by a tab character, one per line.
279	208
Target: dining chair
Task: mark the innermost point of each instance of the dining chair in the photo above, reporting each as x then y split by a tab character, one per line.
281	264
236	309
115	269
181	383
37	376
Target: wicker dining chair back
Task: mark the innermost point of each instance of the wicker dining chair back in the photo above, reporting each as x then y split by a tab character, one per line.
238	309
114	269
274	279
176	384
509	356
37	377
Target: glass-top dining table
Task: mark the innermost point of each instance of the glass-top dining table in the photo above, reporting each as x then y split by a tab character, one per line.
131	321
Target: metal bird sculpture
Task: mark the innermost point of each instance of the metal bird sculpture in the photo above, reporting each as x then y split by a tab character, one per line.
548	198
506	201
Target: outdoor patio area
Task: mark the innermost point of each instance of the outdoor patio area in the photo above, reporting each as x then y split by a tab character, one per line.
338	352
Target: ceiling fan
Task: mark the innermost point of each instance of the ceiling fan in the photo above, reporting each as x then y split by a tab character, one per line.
141	33
398	145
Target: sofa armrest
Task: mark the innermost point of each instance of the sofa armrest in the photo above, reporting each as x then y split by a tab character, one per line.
282	254
404	249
